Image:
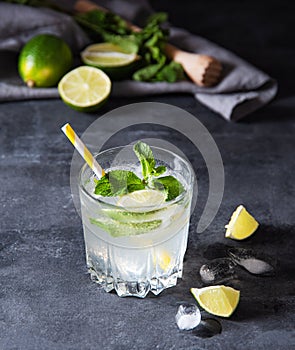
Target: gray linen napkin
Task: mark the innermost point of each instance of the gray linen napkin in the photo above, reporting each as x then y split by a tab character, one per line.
242	90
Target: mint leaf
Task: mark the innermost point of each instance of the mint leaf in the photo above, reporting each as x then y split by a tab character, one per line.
148	72
159	170
118	182
146	158
103	186
170	184
170	72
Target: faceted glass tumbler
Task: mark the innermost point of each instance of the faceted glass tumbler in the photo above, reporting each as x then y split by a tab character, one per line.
135	250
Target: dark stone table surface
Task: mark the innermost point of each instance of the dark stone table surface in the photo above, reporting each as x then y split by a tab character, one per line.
47	300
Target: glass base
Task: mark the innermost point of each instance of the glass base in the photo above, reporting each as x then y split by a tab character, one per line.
135	288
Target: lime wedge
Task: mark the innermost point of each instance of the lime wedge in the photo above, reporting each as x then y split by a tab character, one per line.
142	198
119	229
85	88
217	300
111	58
242	224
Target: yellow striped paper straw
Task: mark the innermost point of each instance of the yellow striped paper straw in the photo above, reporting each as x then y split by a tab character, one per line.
83	150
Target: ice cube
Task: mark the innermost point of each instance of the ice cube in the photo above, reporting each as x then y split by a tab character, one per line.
218	271
188	316
252	261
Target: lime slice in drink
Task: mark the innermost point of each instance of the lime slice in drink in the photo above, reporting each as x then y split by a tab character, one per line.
142	198
133	220
242	224
133	203
119	229
133	216
217	300
111	58
85	88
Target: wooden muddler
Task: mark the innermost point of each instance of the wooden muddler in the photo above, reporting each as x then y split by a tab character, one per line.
203	70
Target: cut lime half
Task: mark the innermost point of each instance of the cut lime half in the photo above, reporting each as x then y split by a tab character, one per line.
111	58
85	88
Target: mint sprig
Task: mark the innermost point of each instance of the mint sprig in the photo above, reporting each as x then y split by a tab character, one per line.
146	158
117	183
120	182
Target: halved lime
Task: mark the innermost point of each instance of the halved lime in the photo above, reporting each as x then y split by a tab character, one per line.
217	300
242	224
85	88
111	58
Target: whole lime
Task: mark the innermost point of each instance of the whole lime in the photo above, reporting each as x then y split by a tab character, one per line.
44	60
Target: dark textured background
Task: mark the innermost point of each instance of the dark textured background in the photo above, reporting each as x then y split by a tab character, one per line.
47	300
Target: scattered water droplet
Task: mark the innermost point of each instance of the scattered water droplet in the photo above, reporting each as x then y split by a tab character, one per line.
208	328
218	271
188	316
252	261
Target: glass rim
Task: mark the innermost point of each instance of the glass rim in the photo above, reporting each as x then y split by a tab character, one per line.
152	207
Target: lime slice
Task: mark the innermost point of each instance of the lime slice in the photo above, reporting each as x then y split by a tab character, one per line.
127	216
85	88
120	222
119	229
217	300
242	224
142	198
111	58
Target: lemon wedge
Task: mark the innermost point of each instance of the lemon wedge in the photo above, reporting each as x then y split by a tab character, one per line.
217	300
241	225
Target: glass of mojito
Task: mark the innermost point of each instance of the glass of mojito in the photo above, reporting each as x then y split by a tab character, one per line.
136	218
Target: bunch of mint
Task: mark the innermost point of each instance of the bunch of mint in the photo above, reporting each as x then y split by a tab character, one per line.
148	43
120	182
